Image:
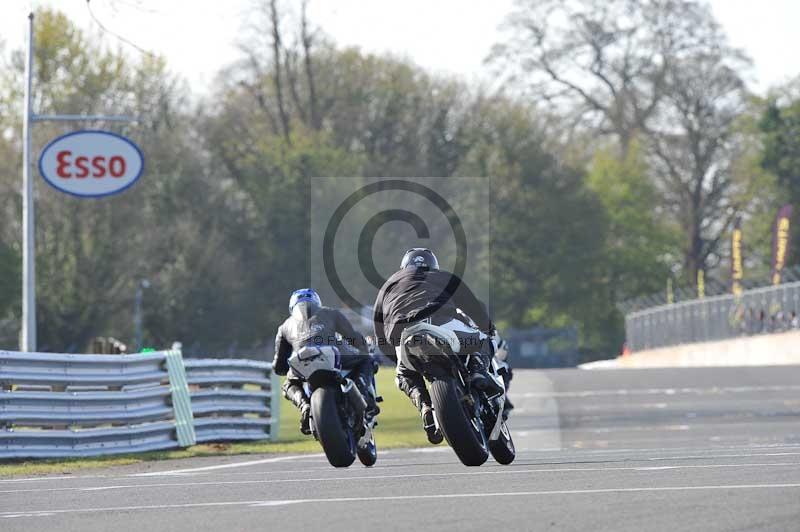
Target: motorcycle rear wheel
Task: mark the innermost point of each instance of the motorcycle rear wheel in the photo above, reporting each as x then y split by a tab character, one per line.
338	442
463	432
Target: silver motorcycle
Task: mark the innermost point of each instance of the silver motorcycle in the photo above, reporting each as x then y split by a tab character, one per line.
339	419
471	420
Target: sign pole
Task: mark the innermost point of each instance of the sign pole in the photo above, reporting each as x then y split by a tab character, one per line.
28	329
28	339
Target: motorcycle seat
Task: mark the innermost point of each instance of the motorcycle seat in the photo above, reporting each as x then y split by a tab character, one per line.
443	335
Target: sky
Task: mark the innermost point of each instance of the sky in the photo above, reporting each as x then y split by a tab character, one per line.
445	36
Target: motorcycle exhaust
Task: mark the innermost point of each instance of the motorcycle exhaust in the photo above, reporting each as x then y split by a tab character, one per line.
356	399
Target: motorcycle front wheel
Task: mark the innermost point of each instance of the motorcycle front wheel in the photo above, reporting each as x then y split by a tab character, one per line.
463	431
338	442
502	448
368	452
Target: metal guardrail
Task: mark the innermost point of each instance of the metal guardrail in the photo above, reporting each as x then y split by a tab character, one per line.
233	399
756	311
59	405
713	287
49	369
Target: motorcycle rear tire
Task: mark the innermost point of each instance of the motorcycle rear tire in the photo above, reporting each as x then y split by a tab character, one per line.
337	441
468	442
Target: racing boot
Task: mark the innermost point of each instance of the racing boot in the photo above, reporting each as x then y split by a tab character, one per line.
305	418
423	403
435	435
297	396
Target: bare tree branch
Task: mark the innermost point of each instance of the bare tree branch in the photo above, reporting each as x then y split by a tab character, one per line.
307	41
277	45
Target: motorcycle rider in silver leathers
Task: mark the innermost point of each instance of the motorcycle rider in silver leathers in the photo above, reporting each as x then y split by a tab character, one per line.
310	323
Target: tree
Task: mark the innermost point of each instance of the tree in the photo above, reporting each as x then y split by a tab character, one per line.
92	254
780	126
658	70
281	70
219	224
639	245
548	230
603	62
268	188
10	256
695	153
9	280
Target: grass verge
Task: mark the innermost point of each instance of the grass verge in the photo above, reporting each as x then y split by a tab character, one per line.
398	426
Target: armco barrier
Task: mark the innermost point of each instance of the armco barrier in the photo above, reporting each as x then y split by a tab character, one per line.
233	399
56	405
756	311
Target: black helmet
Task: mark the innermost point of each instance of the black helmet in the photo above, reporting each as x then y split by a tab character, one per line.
419	258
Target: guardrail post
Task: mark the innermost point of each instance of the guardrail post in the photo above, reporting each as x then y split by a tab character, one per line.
181	401
274	406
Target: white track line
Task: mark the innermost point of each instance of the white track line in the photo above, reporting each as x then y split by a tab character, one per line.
570	455
714	390
631	451
397	476
228	466
271	503
38	479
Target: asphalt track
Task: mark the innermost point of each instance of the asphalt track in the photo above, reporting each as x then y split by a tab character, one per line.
617	450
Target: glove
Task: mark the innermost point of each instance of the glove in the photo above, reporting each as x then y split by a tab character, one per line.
280	367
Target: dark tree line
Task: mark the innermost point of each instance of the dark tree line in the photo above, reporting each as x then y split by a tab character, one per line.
618	152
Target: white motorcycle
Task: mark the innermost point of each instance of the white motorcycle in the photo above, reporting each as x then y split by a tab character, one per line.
471	420
503	369
339	418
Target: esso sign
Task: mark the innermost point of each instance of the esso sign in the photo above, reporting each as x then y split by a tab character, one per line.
91	163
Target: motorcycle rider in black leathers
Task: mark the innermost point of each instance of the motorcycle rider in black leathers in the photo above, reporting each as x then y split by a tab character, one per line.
310	323
420	291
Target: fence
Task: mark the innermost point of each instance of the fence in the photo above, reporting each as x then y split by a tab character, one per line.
57	405
713	287
756	311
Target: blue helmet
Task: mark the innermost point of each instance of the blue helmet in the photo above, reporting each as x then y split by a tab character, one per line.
304	294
